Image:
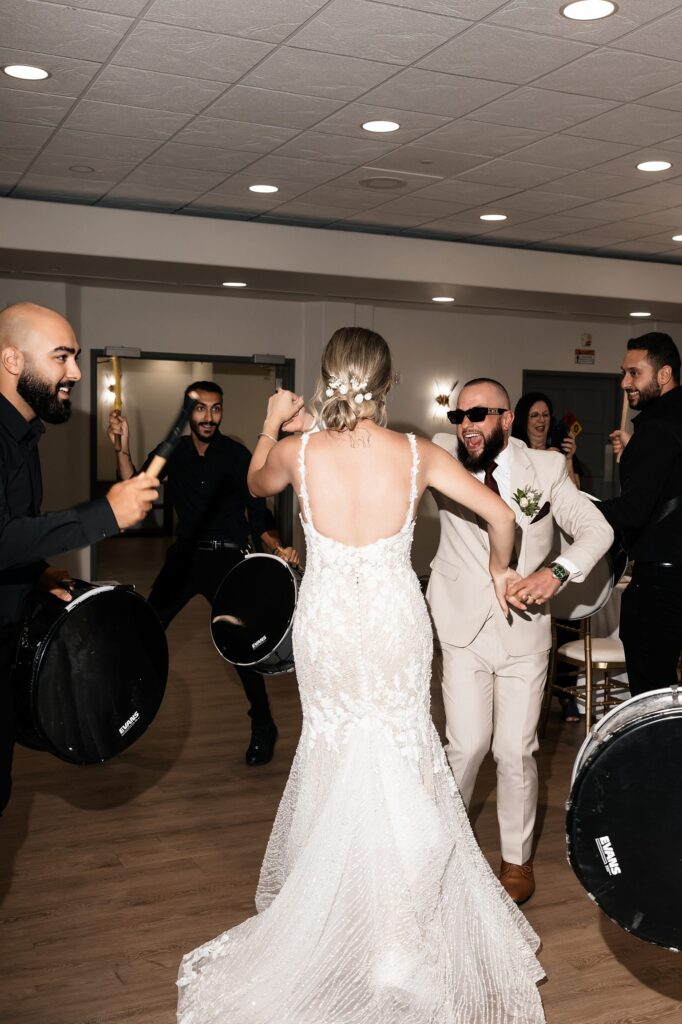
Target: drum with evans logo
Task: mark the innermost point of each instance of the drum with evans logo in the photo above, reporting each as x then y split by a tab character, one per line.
89	675
253	614
624	816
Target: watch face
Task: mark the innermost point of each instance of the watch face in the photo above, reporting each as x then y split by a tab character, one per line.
560	572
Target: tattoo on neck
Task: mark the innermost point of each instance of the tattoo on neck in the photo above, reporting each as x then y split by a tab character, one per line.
359	438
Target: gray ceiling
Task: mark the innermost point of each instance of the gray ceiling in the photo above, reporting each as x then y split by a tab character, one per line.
180	105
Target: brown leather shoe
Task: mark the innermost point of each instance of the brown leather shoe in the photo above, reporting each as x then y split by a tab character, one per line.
518	880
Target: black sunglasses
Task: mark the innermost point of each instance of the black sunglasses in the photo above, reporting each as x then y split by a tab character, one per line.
475	415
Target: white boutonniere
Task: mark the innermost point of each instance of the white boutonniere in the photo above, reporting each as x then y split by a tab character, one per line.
528	499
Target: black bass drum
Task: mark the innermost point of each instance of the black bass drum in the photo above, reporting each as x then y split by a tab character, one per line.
89	675
624	820
253	614
581	600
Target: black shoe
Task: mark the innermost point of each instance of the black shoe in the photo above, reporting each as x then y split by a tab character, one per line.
262	745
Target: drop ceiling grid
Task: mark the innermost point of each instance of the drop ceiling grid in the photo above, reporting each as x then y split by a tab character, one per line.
546	115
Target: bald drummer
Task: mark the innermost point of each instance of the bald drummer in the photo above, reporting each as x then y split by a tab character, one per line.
38	370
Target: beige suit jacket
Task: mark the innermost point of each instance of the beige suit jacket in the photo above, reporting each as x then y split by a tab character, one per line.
460	592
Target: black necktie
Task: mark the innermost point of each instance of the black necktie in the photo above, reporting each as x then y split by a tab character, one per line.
489	479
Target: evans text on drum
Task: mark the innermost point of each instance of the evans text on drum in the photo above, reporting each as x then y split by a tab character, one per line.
624	816
253	613
90	675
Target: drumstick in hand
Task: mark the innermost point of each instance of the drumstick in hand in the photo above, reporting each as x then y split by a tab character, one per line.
623	419
165	449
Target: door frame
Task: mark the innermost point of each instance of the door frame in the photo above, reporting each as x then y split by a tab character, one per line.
285	376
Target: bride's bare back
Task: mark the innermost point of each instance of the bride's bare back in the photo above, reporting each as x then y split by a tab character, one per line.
358	483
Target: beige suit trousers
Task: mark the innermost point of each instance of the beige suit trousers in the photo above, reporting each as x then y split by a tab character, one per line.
493	698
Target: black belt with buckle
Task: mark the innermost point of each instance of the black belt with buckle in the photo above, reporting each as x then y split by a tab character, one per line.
219	545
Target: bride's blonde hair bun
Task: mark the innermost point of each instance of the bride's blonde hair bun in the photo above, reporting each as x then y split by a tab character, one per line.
356	374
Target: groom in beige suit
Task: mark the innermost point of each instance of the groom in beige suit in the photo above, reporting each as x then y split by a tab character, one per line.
494	669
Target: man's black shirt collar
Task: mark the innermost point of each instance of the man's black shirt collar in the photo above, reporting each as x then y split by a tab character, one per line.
15	424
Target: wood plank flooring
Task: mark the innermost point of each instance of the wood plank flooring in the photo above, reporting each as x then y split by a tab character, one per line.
108	874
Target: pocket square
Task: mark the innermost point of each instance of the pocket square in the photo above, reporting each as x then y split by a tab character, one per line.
544	511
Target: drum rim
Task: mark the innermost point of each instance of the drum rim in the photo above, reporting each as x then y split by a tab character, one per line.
296	583
579	764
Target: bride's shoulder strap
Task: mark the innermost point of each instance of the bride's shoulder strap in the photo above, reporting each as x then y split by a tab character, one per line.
303	493
413	475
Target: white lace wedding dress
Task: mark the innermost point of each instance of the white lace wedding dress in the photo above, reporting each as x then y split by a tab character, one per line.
375	904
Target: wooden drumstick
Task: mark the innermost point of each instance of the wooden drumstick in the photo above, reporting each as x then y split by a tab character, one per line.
164	451
116	389
623	420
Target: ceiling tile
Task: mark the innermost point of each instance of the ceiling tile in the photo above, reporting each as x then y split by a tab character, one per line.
571	151
421	209
302	211
375	218
8	180
336	148
202	158
539	202
600	236
614	209
263	106
523	234
468	193
513	173
471	136
353	199
15	161
244	206
542	110
633	124
559	224
420	160
614	75
661	38
87	146
149	89
182	51
58	165
32	108
666	99
350	119
471	9
434	93
136	122
275	169
72	189
671	218
662	196
65	31
23	136
68	76
627	165
502	54
254	138
182	178
358	28
541	16
318	74
591	185
640	247
271	20
141	197
131	8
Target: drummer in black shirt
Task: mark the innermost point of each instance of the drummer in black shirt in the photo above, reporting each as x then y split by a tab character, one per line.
38	369
215	514
648	513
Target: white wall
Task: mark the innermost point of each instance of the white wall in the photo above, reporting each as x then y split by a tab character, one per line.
427	345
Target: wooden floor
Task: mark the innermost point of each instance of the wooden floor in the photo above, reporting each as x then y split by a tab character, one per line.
109	873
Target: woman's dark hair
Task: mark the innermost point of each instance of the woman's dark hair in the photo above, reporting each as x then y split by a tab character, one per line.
521	411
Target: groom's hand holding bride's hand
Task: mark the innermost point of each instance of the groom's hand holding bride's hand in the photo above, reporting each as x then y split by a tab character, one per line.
503	581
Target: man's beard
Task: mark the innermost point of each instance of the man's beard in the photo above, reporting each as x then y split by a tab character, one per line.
491	449
647	395
194	427
43	398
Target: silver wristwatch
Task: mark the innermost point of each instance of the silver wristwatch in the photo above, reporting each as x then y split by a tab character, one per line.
559	572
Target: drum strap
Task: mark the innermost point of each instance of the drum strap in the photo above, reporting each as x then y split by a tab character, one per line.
666	509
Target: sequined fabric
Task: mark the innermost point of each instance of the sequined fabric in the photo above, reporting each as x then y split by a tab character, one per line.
375	904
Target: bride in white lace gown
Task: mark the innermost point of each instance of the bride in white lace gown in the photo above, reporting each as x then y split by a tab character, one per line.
375	904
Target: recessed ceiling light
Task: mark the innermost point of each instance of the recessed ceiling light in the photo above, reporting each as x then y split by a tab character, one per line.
640	314
263	188
588	10
81	169
442	298
381	126
26	71
383	184
234	284
654	165
677	238
493	216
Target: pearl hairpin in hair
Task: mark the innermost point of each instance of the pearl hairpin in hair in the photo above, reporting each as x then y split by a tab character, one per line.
359	387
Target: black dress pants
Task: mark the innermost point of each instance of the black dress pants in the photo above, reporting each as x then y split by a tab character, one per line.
651	626
9	636
189	571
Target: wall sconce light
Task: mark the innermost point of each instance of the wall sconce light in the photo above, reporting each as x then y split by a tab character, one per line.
441	400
